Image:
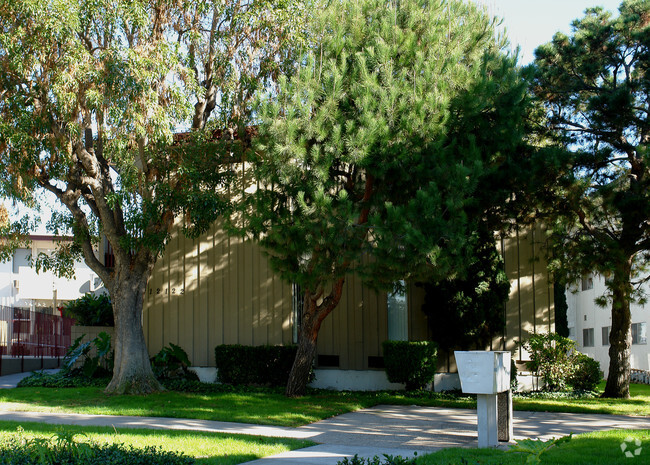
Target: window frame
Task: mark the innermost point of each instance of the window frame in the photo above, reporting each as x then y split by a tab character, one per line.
604	334
639	333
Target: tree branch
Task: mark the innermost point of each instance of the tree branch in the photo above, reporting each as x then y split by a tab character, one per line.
70	198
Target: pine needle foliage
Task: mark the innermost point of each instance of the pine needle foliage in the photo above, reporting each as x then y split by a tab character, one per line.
379	142
594	87
372	155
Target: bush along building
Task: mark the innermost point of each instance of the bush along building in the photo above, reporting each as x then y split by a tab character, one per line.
219	289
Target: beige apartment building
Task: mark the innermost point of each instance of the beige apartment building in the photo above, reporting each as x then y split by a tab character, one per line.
220	290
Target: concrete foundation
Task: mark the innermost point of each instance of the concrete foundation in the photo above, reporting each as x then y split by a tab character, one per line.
205	374
367	380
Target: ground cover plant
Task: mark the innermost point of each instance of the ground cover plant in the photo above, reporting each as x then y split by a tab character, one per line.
270	407
599	448
198	447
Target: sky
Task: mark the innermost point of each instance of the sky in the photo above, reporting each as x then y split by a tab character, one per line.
528	23
531	23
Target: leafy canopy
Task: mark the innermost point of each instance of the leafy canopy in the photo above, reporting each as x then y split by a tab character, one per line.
93	92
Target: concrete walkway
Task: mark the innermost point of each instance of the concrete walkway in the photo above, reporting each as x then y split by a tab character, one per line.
384	429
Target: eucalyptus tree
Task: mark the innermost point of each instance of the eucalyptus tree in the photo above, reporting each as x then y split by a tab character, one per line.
92	93
376	147
594	85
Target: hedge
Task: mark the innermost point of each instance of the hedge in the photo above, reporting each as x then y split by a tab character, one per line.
254	365
411	363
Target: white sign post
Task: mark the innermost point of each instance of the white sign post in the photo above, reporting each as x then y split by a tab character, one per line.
485	373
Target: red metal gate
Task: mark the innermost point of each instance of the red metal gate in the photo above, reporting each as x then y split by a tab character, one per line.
33	334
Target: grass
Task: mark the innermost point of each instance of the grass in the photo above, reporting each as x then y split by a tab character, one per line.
273	408
637	404
600	448
206	448
264	407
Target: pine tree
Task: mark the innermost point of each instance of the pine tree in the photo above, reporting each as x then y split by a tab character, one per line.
372	154
594	85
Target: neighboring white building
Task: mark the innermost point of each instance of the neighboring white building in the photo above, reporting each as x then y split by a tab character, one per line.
22	287
589	324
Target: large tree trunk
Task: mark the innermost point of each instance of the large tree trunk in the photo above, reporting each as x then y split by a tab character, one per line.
313	315
299	375
620	338
132	373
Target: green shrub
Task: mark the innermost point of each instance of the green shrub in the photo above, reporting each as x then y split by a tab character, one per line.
411	363
62	380
551	357
81	360
172	362
90	310
63	449
586	373
254	365
87	363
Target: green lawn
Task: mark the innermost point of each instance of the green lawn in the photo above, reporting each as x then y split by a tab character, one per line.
272	408
637	404
207	448
263	407
601	448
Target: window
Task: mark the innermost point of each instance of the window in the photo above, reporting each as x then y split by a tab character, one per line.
397	315
605	335
297	302
587	282
572	332
639	333
588	337
21	258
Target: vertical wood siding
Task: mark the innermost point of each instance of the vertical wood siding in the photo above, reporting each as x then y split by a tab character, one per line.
221	290
215	290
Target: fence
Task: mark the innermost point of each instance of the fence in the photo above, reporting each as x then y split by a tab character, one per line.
27	334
